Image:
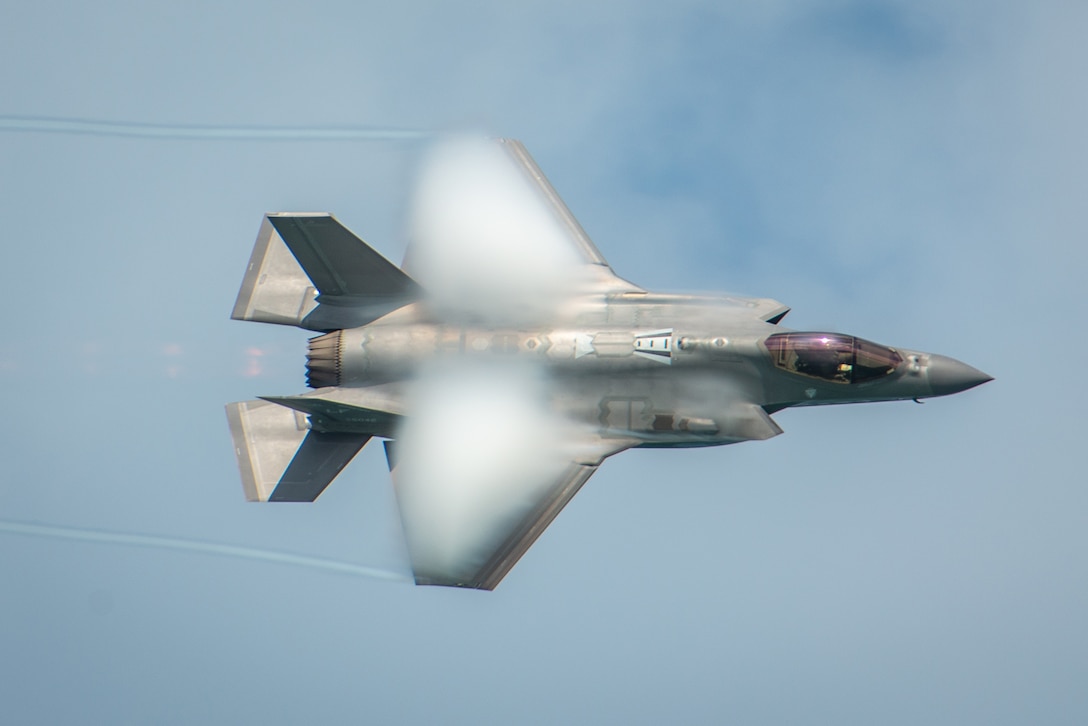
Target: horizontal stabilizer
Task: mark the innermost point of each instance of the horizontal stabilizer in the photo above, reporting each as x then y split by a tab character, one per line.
318	461
336	416
310	271
280	458
339	263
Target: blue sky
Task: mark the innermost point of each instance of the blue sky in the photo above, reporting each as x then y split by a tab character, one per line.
910	172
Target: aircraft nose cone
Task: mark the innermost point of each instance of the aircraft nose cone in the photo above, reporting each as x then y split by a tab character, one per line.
948	375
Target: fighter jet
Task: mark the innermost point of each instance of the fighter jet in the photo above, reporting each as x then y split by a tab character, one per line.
505	361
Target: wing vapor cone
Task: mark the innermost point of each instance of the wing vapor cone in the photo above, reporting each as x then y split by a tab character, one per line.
492	241
481	469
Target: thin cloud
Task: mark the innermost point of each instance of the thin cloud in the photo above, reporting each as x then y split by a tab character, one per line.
129	129
148	541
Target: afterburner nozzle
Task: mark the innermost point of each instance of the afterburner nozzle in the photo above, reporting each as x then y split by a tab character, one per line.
323	360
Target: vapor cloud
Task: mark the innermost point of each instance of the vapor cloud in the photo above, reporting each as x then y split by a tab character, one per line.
479	432
484	244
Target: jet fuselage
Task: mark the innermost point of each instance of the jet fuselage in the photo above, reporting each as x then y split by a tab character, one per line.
659	370
505	360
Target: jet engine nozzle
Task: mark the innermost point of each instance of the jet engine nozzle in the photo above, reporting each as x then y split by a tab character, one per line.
323	360
948	375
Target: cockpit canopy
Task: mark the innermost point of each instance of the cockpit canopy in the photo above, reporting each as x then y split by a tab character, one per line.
832	357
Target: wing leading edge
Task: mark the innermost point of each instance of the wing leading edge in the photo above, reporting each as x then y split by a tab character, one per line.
502	528
490	236
574	233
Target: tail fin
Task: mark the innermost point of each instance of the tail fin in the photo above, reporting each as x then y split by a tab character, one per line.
310	271
280	459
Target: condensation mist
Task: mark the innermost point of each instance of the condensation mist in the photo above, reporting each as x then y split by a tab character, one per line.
483	245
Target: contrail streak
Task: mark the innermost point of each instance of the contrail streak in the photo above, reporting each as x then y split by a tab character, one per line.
92	127
210	548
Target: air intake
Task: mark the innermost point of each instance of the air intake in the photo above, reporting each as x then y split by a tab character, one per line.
323	361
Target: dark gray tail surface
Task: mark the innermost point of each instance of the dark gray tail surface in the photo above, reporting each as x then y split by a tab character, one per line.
310	271
280	458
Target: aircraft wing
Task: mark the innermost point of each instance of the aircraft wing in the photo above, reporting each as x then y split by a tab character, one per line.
575	236
491	239
472	537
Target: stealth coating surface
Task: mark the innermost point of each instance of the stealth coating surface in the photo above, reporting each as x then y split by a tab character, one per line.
337	261
503	406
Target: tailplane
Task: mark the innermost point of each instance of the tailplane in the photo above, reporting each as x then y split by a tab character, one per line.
281	458
310	271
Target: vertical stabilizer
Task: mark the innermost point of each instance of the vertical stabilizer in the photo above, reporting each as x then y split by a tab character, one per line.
280	458
275	288
310	271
